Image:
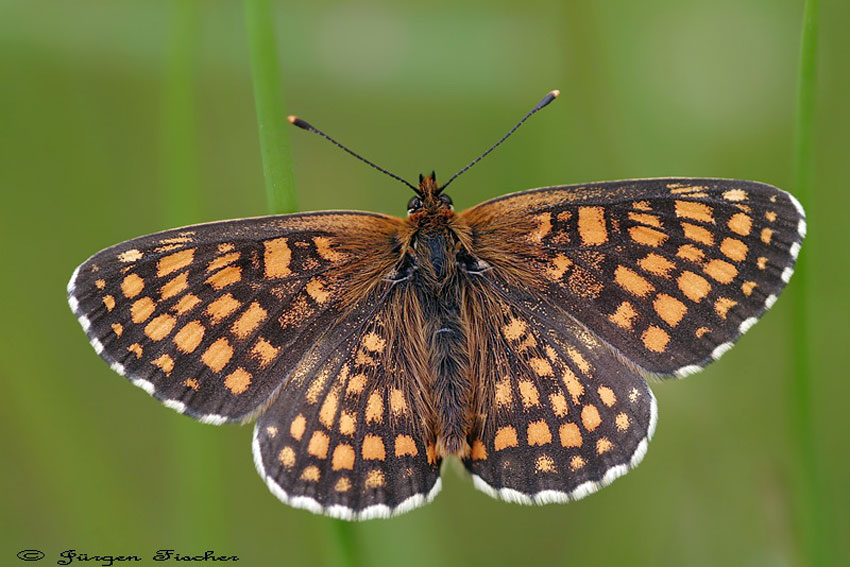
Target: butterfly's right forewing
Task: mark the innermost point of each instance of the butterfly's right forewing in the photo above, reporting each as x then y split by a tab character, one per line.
212	319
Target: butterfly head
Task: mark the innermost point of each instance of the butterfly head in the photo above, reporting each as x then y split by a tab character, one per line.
429	197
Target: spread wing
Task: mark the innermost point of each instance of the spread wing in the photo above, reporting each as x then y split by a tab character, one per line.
348	436
294	315
559	415
211	319
667	272
592	287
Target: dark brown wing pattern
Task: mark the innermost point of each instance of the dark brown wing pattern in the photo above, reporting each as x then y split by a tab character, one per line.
593	287
284	315
210	319
355	447
667	272
561	415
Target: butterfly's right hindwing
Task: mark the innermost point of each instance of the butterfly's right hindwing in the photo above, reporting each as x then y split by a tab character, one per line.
212	318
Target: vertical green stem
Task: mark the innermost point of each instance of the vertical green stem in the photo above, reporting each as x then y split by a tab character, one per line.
277	167
268	97
809	505
196	495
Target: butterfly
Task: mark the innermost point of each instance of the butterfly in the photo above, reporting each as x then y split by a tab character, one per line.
517	335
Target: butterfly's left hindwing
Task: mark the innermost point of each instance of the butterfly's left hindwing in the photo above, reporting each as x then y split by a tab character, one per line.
212	318
560	415
667	272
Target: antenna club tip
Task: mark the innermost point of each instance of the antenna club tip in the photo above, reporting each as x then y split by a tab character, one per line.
556	93
292	119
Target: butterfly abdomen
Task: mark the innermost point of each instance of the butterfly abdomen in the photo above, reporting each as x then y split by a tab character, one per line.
452	388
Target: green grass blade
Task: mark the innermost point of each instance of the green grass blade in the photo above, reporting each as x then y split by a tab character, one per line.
277	166
809	501
268	97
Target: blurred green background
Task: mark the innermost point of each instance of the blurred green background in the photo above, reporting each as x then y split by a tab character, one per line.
653	88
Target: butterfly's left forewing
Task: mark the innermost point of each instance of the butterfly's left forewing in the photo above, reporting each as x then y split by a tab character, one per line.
211	319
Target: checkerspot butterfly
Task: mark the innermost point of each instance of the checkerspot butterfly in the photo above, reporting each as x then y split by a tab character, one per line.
516	335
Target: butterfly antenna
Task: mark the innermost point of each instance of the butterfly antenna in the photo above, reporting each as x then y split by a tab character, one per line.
539	106
310	128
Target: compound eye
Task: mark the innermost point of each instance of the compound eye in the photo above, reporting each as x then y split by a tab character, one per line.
446	200
414	203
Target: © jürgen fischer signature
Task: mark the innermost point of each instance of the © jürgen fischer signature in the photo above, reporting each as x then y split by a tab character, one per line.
70	556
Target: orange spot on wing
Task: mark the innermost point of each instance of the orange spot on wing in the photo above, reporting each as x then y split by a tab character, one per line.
655	339
603	446
317	291
323	248
373	448
690	253
538	433
189	336
164	363
225	277
297	427
647	236
656	264
624	315
693	286
505	437
175	286
375	408
642	218
217	355
343	457
318	445
327	413
632	282
222	261
607	396
698	234
186	304
570	435
720	270
238	381
173	262
734	249
591	226
478	452
276	258
405	446
740	223
375	479
670	309
109	302
590	417
347	423
544	227
160	327
132	285
723	305
222	307
529	394
264	352
559	404
249	321
693	210
287	457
